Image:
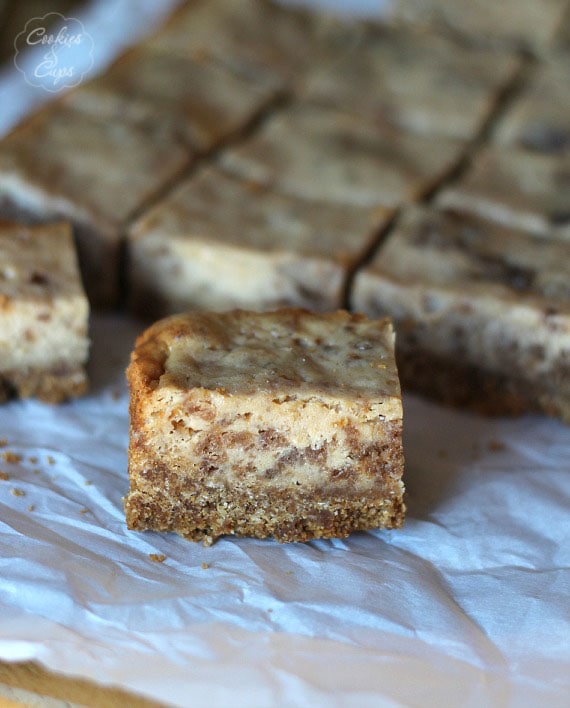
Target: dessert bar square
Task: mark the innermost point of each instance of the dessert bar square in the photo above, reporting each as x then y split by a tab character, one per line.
482	312
217	242
197	99
44	341
323	154
517	188
62	163
418	81
284	424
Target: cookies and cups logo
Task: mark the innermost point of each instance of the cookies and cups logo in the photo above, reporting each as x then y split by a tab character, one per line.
53	52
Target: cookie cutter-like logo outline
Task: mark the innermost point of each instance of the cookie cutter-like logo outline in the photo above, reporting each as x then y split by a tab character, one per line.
68	54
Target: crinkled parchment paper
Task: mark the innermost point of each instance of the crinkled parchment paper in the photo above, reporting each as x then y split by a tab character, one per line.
468	605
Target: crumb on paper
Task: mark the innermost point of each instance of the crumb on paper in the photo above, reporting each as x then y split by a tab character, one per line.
51	460
207	541
32	507
11	457
205	566
496	445
4	476
288	572
3	442
36	470
88	483
157	557
84	511
33	460
15	492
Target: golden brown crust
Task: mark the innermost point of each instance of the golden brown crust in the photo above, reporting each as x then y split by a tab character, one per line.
48	385
461	385
339	352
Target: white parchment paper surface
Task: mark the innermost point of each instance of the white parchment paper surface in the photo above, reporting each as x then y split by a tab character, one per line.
468	605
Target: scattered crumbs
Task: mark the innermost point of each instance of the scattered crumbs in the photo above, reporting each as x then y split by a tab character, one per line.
4	476
11	457
83	511
3	442
17	492
88	483
496	445
51	460
33	460
157	557
442	454
205	566
207	541
32	507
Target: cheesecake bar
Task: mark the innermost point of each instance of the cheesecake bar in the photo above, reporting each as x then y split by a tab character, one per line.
44	341
285	424
515	187
195	99
482	312
328	155
418	81
64	164
217	242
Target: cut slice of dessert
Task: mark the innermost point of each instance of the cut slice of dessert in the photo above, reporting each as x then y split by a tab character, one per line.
284	424
482	312
44	341
218	242
318	153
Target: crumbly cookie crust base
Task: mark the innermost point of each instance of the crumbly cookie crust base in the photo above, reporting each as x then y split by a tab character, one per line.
49	385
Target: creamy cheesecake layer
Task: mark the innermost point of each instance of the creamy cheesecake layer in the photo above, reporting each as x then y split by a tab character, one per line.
217	243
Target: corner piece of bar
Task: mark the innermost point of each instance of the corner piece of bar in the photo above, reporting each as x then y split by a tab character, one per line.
285	424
